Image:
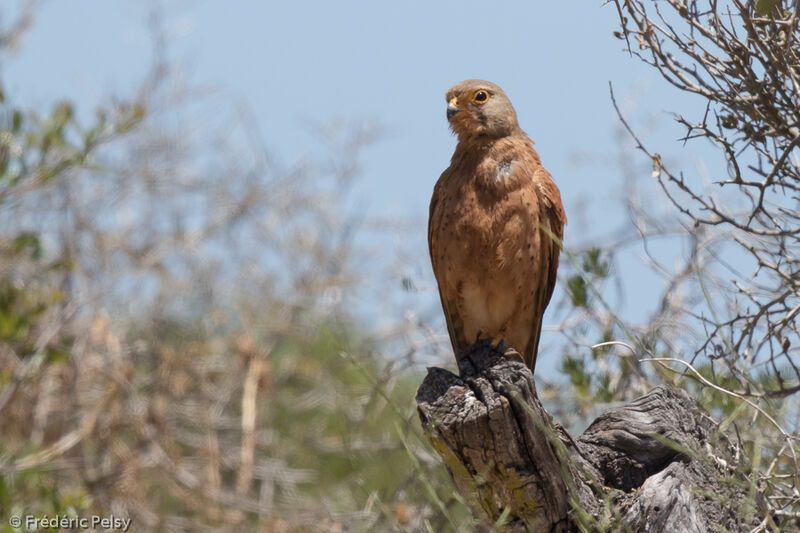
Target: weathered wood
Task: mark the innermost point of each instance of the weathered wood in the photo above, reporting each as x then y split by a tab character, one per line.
655	464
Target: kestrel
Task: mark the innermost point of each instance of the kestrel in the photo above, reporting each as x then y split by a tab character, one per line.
491	211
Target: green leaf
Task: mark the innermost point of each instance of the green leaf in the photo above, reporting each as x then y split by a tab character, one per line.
16	121
765	7
604	393
12	327
57	354
575	368
576	287
600	350
29	242
594	264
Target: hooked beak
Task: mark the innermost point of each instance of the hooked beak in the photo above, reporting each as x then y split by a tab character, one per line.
452	108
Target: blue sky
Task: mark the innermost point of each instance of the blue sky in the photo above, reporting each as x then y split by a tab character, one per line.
296	63
301	62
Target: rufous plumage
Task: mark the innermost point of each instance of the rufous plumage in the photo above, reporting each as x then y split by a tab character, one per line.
493	216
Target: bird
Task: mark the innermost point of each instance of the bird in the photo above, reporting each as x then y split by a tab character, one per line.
495	226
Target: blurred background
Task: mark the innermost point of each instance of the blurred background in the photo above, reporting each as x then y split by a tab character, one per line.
216	301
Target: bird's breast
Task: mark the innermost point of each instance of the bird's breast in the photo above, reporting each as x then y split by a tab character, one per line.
489	228
488	207
504	170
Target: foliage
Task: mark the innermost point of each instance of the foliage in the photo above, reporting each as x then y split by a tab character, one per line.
174	347
726	328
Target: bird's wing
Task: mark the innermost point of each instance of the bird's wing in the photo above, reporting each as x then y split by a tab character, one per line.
551	224
553	217
454	326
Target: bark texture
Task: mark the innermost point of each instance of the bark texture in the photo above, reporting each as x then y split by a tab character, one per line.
656	464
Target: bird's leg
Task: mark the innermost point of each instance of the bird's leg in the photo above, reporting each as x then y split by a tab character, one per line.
499	337
498	342
495	340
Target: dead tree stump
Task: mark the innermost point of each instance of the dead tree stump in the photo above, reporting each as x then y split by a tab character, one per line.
656	464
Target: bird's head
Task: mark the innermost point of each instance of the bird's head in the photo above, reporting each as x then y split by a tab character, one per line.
477	108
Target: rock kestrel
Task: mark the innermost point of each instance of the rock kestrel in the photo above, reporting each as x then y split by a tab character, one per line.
490	214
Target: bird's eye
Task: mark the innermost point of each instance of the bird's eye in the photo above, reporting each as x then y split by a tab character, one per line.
480	97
